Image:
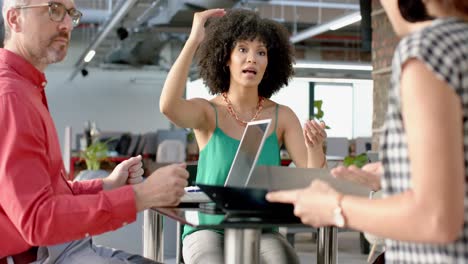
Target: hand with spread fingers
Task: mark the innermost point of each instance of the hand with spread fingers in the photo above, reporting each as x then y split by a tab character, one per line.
199	19
129	171
369	175
314	134
314	205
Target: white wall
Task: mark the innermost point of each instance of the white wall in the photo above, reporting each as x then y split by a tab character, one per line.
295	95
107	97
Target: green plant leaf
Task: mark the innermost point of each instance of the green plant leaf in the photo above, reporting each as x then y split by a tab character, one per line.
94	154
361	160
358	161
319	112
318	103
348	161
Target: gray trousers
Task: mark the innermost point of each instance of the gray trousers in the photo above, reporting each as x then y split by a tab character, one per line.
207	247
85	252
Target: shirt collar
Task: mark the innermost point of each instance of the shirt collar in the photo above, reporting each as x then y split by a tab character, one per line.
24	68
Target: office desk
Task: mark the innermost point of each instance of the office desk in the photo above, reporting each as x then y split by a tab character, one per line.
242	233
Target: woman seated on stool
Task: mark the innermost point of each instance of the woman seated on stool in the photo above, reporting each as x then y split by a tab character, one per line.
243	59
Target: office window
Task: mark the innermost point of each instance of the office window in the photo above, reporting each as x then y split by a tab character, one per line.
348	108
337	107
197	89
363	109
296	97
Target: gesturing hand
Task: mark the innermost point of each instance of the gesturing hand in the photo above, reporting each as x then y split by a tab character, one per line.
199	19
314	205
314	133
128	171
368	176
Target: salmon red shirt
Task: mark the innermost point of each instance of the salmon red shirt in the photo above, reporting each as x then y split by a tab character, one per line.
38	206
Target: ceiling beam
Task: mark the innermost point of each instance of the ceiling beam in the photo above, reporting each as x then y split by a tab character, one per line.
316	4
327	26
121	10
334	65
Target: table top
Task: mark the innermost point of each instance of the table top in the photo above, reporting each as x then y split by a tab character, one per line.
211	218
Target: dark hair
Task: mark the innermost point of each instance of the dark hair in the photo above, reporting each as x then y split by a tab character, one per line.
413	10
240	24
460	6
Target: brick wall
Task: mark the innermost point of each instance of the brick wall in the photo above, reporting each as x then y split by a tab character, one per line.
384	42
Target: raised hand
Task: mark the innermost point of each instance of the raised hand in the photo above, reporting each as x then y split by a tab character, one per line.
163	188
199	19
314	133
369	175
129	171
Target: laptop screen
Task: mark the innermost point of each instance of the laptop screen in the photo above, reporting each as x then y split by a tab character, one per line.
247	153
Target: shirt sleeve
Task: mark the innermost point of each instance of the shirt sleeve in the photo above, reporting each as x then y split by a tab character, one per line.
86	187
441	55
40	204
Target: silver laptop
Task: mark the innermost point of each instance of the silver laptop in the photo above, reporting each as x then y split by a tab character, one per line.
244	161
275	178
247	153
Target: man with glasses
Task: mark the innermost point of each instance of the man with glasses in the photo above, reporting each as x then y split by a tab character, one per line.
43	217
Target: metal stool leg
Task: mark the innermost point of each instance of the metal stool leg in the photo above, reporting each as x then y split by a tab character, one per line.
179	244
242	246
153	247
327	245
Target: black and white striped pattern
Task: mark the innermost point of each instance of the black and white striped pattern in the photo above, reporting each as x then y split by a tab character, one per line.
443	47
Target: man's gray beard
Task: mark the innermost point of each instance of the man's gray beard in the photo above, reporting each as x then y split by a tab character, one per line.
52	56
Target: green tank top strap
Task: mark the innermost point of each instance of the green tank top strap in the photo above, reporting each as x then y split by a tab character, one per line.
276	116
216	113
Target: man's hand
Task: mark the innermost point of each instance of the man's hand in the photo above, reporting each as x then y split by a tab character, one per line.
129	171
163	188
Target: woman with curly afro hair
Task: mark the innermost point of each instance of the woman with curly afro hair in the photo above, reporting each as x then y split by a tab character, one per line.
244	60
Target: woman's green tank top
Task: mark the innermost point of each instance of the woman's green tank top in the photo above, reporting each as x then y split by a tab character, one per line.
216	157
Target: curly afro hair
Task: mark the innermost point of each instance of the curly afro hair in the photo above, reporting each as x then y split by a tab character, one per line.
238	25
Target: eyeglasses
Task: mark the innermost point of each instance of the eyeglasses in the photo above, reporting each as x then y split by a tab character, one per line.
57	12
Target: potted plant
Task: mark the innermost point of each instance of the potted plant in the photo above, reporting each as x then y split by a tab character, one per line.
356	160
93	155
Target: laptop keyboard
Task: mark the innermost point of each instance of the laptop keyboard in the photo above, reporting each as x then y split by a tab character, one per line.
193	194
